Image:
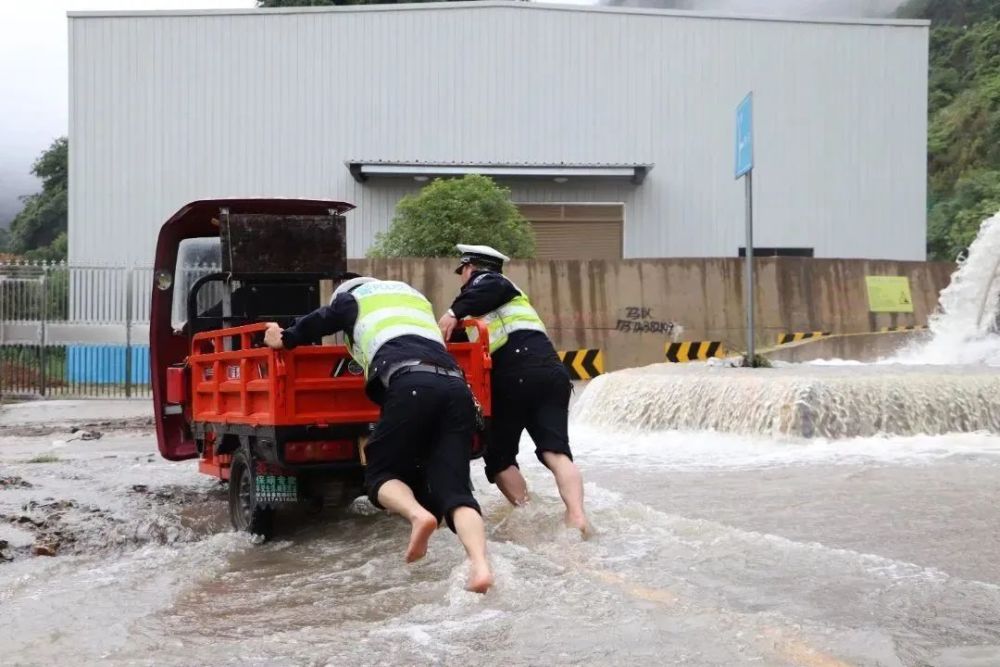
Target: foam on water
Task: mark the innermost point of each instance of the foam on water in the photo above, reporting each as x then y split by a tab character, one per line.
84	591
655	585
692	451
795	401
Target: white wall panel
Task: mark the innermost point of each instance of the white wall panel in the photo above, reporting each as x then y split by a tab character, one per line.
171	107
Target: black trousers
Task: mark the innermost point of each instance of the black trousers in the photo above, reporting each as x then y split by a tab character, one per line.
424	439
535	398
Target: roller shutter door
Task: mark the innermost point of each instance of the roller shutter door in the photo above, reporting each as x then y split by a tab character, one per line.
576	231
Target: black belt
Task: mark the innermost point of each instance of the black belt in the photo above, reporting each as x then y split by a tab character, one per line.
426	368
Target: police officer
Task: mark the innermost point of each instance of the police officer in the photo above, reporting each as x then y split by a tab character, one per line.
531	387
418	455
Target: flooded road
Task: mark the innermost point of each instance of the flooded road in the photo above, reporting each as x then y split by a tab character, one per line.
710	550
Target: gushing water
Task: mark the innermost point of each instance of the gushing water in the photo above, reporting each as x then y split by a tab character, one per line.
964	329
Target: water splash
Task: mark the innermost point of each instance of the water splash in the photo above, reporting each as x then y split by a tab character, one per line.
964	329
796	401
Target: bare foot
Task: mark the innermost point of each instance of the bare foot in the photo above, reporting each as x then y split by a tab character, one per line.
480	578
579	521
423	526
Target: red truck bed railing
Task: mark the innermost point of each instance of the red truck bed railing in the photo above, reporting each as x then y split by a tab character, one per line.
310	385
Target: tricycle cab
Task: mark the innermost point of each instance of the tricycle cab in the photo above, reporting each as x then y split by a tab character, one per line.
192	275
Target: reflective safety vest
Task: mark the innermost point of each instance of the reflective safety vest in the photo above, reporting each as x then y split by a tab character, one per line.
389	309
515	315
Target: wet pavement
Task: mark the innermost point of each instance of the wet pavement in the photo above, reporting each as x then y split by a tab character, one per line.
41	417
710	550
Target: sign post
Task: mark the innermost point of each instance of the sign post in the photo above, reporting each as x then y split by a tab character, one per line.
744	169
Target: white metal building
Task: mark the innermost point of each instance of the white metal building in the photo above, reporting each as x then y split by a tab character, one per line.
568	105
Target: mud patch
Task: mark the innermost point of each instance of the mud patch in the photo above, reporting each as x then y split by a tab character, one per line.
164	516
14	482
87	430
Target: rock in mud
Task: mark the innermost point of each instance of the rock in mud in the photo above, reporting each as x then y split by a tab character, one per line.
25	519
45	549
14	482
49	504
88	434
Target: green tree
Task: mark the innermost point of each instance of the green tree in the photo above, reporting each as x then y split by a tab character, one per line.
56	251
39	230
472	209
953	222
963	138
951	12
4	239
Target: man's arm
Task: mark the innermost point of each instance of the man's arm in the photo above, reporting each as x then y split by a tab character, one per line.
338	316
485	292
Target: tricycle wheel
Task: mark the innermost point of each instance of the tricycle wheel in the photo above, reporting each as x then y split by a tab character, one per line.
245	513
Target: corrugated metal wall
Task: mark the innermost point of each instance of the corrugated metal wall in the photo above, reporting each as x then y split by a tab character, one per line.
170	108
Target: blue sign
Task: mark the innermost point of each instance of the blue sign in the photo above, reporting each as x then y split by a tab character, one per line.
744	136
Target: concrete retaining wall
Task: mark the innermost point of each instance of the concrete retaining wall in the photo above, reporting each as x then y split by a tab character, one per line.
631	308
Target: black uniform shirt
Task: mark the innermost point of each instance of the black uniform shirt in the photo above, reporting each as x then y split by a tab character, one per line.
486	291
341	315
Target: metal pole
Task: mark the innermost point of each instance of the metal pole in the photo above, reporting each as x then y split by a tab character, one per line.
749	266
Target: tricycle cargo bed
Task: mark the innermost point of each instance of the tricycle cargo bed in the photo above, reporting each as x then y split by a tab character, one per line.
234	383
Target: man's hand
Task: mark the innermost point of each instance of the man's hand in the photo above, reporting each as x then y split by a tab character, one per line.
447	324
272	336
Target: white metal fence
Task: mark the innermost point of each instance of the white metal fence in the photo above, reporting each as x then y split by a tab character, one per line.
74	331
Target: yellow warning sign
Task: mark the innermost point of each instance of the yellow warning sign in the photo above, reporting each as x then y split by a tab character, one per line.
889	294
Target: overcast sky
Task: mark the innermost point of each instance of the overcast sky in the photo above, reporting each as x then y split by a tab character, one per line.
33	79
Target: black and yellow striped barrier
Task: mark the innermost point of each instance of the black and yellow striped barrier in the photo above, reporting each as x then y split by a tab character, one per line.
694	350
796	336
912	327
583	364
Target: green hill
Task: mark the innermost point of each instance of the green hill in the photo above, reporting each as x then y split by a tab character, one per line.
963	143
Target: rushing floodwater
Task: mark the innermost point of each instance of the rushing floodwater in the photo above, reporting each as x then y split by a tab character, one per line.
711	550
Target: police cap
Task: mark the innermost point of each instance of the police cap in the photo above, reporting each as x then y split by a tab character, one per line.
481	255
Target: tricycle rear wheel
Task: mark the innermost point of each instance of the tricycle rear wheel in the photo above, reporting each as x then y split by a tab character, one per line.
245	513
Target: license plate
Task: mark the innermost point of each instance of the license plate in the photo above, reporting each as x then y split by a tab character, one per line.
277	489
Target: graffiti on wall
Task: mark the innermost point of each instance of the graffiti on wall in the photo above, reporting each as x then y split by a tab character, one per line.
638	319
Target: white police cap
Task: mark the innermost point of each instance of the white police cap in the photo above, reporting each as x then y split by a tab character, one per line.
482	255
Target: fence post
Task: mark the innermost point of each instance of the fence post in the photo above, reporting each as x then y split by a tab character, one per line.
128	333
3	302
43	370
